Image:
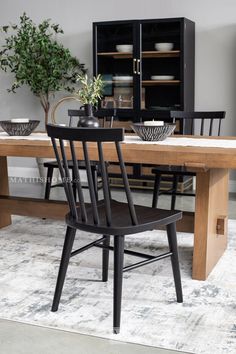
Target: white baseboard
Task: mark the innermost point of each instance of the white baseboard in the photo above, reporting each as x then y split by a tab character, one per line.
24	172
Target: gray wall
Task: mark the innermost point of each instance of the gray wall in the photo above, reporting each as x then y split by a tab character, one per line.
215	45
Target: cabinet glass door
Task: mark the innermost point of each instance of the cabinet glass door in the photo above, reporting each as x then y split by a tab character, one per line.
114	61
160	67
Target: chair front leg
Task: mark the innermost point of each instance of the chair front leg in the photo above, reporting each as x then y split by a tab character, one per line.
172	240
118	280
105	259
66	253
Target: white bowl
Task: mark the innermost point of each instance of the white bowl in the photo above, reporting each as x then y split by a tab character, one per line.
122	78
124	48
20	120
162	77
163	47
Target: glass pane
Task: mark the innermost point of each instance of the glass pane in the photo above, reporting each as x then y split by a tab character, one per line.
160	66
115	64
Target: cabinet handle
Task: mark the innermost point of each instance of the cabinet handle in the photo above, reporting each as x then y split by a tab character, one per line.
138	66
134	66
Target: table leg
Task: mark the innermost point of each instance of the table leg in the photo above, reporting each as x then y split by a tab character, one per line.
211	213
5	218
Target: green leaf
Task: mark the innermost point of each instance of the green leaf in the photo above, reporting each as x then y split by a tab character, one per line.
5	28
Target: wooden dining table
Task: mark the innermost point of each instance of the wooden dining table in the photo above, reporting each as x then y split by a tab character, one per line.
211	164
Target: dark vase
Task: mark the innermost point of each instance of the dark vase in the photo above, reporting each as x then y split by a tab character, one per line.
88	109
88	122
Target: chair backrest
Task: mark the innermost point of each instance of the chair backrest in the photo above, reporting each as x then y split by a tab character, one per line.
66	150
209	123
75	113
107	115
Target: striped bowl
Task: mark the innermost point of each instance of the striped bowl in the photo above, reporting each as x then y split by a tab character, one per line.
153	133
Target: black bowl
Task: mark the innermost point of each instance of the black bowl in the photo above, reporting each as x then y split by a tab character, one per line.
152	132
21	129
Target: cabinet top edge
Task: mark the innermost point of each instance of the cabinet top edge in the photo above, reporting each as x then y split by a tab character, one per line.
170	19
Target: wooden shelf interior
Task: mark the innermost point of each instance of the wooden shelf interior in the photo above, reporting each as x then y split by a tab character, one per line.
146	54
145	82
160	82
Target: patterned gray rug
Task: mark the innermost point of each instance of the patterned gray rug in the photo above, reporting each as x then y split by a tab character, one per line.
204	323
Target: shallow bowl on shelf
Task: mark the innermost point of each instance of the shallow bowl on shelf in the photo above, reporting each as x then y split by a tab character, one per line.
124	48
122	78
164	47
162	77
19	128
153	133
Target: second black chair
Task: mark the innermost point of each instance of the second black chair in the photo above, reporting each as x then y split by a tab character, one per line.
198	123
52	165
107	217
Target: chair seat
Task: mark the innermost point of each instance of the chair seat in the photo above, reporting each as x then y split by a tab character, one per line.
70	164
148	219
172	170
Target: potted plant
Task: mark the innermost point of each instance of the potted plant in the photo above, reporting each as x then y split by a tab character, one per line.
90	92
33	55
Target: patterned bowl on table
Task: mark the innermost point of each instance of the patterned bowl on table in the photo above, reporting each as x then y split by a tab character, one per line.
19	128
152	132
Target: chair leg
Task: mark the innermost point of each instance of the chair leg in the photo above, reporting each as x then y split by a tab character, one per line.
156	190
68	244
174	190
118	279
48	183
172	240
105	259
74	185
95	181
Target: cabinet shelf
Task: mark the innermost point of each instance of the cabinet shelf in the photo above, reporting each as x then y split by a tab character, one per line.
158	54
160	82
146	54
145	82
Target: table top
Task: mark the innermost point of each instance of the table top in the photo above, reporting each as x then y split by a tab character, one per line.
134	152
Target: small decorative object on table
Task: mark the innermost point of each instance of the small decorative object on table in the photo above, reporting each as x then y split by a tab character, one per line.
89	94
153	130
19	126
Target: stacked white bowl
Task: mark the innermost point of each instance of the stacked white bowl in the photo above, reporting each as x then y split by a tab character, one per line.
164	47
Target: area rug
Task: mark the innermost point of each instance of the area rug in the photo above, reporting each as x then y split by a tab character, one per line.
204	323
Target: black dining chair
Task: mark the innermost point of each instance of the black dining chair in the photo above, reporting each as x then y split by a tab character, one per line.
198	123
74	115
107	216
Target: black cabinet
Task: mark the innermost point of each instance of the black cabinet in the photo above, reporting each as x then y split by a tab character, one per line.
148	66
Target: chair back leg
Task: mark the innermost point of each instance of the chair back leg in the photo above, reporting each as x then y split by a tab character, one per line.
95	181
156	190
118	280
105	259
172	240
48	183
74	185
66	253
174	190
